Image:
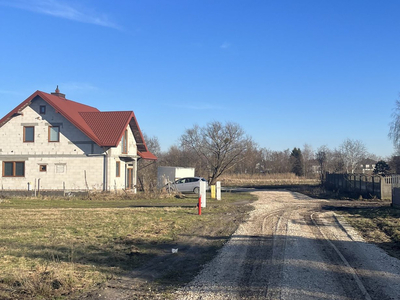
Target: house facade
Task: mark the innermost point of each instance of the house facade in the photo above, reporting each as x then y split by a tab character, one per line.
52	143
367	166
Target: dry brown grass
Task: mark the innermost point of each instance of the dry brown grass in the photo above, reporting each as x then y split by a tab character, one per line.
379	225
53	252
253	180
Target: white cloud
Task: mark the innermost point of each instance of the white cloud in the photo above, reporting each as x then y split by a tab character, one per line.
225	45
61	9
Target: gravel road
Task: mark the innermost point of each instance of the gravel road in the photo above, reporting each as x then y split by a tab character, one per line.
292	249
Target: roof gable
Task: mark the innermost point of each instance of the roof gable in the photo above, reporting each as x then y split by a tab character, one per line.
143	152
108	126
72	110
104	128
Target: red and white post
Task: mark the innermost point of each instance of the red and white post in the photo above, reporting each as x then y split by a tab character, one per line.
199	205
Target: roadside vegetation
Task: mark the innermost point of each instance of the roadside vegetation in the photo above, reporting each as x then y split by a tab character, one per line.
266	180
379	225
55	248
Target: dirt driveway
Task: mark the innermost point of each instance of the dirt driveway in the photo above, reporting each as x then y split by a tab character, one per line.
292	249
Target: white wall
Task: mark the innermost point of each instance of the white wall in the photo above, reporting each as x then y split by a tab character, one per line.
66	161
114	155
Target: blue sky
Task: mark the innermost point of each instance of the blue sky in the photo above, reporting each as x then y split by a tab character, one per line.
289	72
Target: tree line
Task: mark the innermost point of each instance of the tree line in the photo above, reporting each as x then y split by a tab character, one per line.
220	148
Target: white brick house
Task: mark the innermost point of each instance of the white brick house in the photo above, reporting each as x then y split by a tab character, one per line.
69	145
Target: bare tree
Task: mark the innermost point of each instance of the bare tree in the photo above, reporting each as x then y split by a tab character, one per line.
147	171
353	151
184	157
394	163
336	162
394	132
152	144
322	158
252	161
308	157
276	161
221	146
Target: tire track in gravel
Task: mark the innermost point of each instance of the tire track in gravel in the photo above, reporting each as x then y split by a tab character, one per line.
375	275
264	256
278	256
257	264
313	268
345	267
291	249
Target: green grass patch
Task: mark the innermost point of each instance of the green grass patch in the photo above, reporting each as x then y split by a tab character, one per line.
113	201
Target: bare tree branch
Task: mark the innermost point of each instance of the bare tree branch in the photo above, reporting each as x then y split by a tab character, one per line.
221	145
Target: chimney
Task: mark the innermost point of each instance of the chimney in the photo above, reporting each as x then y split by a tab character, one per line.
58	94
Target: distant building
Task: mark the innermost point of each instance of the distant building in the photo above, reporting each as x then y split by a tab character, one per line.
367	166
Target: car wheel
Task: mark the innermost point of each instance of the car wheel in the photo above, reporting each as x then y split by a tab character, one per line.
196	190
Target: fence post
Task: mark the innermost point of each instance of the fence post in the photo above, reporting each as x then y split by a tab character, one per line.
213	191
218	190
373	185
203	186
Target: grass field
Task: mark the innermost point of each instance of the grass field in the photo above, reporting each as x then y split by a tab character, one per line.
52	248
57	248
265	180
379	225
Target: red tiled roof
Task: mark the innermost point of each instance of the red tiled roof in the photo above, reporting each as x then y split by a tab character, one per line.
104	128
147	155
72	112
108	126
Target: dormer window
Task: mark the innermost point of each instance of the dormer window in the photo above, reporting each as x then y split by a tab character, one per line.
42	109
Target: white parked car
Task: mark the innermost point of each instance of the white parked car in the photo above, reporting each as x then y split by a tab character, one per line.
187	185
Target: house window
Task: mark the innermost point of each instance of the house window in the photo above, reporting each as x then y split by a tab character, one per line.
43	168
54	133
29	134
118	169
42	109
124	142
13	169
